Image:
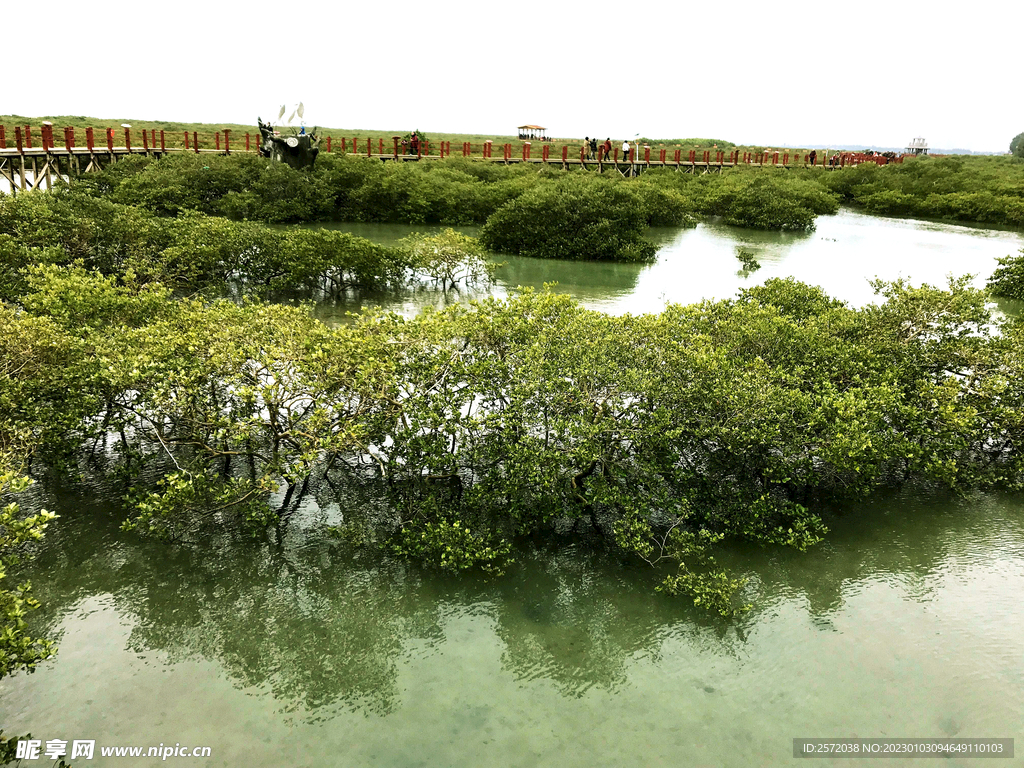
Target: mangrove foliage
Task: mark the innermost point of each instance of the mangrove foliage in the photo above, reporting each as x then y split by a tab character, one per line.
447	438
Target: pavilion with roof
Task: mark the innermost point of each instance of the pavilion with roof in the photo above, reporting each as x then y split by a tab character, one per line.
532	132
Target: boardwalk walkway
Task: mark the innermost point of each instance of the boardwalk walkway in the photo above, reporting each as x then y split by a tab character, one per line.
39	162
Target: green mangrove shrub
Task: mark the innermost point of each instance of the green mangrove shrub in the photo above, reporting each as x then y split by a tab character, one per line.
576	217
982	189
449	257
448	437
1008	278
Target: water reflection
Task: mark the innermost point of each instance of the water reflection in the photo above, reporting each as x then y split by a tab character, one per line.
570	659
314	627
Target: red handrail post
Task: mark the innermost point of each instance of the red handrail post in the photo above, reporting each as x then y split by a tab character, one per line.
90	139
227	141
395	140
28	137
216	139
163	144
110	140
195	141
128	139
145	143
544	152
369	147
186	140
3	137
565	153
247	142
647	154
17	138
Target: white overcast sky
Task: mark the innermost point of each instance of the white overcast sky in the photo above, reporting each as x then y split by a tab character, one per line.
794	72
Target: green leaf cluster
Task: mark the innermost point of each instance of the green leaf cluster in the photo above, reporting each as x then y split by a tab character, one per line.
1008	278
1017	145
19	651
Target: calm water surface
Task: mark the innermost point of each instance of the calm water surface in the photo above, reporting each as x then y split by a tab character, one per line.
842	255
296	651
906	622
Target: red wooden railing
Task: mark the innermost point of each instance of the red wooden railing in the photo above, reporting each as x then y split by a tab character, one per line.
154	140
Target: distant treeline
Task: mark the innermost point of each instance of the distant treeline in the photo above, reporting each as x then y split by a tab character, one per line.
987	190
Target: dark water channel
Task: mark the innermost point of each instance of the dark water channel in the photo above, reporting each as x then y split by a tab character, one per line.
906	622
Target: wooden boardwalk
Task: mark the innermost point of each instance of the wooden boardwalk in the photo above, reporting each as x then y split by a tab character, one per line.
25	167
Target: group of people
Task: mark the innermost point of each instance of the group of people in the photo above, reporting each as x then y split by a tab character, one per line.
593	148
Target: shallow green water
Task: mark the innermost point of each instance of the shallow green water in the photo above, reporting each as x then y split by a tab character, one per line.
907	622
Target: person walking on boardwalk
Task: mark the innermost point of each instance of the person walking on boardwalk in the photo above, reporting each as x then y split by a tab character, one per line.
586	148
625	150
814	156
593	148
607	148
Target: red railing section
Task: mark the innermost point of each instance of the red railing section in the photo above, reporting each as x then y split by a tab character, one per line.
155	140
